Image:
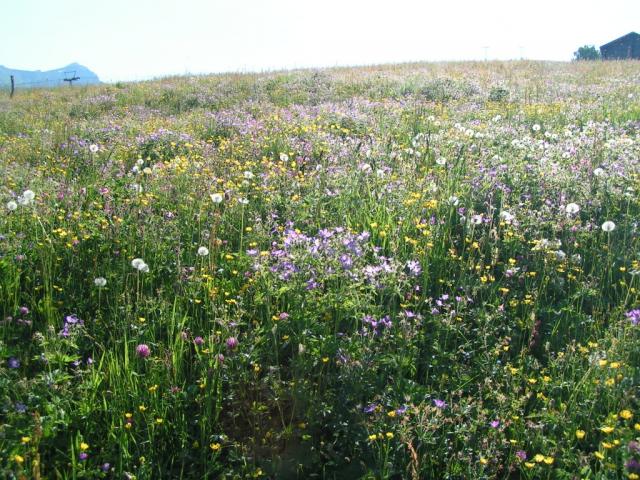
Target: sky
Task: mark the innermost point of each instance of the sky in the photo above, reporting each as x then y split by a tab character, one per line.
141	39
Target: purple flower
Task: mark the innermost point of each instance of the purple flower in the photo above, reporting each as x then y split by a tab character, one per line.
105	467
143	350
283	316
521	454
198	341
13	362
232	343
401	410
633	316
414	267
24	311
83	456
495	424
370	408
633	465
439	403
20	407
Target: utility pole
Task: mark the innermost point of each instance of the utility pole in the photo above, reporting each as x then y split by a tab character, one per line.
71	78
486	49
13	87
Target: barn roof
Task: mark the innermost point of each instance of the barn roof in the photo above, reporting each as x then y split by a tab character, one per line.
629	36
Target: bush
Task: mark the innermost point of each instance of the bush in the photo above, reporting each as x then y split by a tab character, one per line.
587	52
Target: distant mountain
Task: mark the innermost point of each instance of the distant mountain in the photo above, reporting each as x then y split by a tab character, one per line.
49	78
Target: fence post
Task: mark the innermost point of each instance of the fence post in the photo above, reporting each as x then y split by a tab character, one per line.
12	87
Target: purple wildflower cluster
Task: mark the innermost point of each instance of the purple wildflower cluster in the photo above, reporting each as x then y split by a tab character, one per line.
377	326
633	316
71	324
332	253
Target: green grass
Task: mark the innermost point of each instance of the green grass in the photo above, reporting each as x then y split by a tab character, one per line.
392	285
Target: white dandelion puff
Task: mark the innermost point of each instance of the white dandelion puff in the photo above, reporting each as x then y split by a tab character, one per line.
608	226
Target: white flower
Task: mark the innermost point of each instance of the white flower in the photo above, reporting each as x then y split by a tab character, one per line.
147	171
453	200
136	187
572	208
100	282
28	195
243	201
608	226
476	219
139	162
284	157
139	265
11	205
536	128
216	197
93	148
248	175
506	216
599	172
560	255
441	161
203	251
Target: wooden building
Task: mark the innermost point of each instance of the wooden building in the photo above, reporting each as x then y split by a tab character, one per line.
622	48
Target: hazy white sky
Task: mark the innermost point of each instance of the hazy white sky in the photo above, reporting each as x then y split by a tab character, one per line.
136	39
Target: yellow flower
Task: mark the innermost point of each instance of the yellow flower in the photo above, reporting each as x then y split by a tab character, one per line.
548	460
529	464
373	437
483	461
580	434
215	447
626	414
389	435
538	458
142	408
633	476
391	413
159	421
84	446
637	427
606	430
18	459
599	455
602	362
607	445
25	440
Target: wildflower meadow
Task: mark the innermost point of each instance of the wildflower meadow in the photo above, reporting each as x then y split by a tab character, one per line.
420	271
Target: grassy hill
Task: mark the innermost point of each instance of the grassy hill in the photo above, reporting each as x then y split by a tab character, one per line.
398	271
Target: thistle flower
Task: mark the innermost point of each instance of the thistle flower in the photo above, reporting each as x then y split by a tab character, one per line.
232	343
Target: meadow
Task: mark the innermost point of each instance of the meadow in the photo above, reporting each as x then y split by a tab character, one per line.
420	271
